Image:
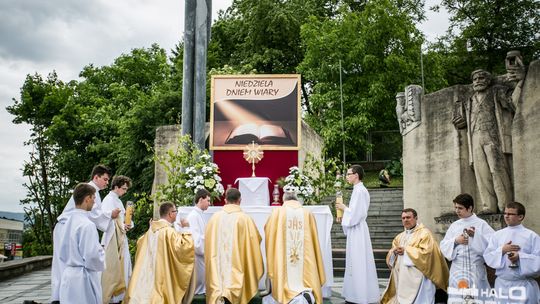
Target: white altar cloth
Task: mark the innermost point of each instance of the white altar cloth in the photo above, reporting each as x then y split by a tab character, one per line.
260	215
254	190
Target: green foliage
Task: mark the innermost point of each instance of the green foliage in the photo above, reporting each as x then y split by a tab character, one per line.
47	187
264	34
188	169
482	31
142	216
323	176
379	51
109	116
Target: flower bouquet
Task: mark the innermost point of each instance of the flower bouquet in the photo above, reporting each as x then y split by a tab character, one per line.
299	183
188	169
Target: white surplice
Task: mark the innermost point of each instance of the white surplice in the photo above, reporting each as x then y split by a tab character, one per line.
101	219
111	202
360	284
467	260
524	274
84	259
197	226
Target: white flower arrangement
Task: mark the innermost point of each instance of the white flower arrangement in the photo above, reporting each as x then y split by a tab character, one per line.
204	175
188	170
298	183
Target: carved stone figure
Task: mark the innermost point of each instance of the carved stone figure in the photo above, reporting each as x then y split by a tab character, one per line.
408	108
488	119
401	112
515	73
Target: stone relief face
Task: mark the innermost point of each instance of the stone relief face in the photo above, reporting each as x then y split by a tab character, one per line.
480	81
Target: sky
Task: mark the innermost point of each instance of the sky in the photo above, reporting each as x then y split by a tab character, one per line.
39	36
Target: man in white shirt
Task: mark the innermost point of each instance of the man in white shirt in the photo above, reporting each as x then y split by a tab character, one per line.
514	252
116	276
464	245
100	179
81	253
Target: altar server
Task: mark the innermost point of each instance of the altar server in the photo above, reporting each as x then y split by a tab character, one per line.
99	180
360	283
514	252
81	253
464	245
116	276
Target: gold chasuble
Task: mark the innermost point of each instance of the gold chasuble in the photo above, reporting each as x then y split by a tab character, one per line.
426	256
232	256
163	267
112	279
293	254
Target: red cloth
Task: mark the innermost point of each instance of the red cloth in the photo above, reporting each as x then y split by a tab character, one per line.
275	164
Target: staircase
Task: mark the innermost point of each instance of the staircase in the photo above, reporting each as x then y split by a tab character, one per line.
384	222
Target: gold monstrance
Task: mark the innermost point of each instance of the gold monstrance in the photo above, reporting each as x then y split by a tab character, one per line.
253	154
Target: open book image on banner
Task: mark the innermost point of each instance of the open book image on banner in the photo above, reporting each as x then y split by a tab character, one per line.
261	109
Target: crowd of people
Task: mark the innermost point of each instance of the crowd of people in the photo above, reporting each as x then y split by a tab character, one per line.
179	258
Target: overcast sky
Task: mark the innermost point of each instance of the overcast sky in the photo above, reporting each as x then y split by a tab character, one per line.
65	35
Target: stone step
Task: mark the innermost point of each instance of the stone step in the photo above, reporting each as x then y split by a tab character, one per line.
380	262
375	230
384	222
339	272
374	221
391	225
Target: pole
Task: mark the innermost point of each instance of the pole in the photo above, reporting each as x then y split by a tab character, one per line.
342	126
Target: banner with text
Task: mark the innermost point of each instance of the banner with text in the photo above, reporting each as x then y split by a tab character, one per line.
264	109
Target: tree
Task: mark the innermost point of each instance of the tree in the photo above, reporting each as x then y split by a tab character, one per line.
379	50
40	101
110	117
264	35
482	31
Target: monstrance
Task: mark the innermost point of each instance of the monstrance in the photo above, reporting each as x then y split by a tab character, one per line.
253	154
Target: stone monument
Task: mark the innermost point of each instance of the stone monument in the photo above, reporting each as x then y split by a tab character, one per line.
481	139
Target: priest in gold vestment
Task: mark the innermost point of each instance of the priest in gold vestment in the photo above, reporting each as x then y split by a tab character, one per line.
164	263
418	266
293	255
232	254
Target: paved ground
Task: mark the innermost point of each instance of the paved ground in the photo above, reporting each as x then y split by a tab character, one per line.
36	286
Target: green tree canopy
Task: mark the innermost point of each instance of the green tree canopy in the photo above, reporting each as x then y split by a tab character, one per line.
379	50
482	32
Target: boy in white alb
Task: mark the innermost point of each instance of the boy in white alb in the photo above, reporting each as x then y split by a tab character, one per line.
81	253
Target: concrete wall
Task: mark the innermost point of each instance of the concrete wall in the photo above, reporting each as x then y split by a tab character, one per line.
311	143
432	158
526	147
